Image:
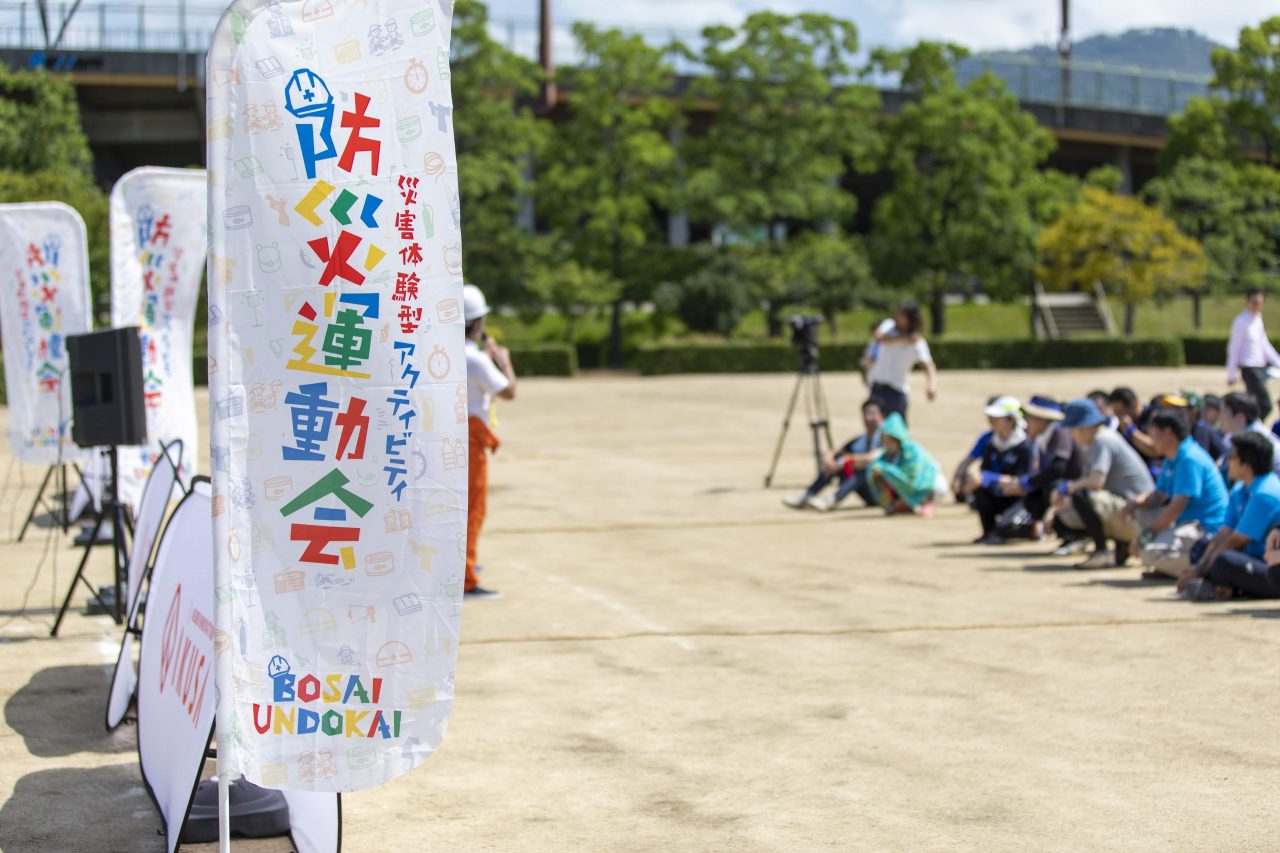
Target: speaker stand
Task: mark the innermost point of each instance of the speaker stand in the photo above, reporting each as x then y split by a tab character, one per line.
40	500
119	552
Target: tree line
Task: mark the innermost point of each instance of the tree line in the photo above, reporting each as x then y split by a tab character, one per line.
756	153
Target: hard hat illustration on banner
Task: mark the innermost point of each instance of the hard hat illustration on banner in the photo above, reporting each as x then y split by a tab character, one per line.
307	94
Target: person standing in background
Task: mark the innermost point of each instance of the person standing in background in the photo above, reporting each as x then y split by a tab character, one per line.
1250	353
489	375
902	347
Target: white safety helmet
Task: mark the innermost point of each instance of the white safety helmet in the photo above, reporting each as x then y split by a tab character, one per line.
473	305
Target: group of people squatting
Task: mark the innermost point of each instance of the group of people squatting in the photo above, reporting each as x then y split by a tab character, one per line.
1186	484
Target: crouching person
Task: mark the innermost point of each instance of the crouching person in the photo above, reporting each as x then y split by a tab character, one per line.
848	466
1189	501
1236	560
1095	504
904	479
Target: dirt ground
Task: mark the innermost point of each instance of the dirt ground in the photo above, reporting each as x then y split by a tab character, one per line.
681	663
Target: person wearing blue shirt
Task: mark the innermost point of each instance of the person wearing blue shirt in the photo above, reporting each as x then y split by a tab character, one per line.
1189	501
1234	560
848	465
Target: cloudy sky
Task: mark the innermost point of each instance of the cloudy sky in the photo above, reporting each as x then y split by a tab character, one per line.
974	23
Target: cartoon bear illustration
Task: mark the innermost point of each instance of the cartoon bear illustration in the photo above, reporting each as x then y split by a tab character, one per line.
269	257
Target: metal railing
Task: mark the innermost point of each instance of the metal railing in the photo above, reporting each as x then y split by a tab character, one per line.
188	27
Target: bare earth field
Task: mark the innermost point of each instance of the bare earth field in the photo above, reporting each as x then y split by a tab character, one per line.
681	663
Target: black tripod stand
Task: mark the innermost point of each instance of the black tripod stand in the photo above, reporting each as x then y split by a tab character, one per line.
61	516
119	553
808	384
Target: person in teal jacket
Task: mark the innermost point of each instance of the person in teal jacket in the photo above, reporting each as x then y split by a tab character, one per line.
905	477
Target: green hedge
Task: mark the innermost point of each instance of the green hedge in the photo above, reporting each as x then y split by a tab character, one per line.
766	357
1205	351
530	360
544	360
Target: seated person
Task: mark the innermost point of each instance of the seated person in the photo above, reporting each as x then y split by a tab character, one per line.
1057	458
905	479
962	484
1205	433
1236	560
1095	503
1102	399
1211	412
1189	501
1133	416
1240	414
848	465
1005	457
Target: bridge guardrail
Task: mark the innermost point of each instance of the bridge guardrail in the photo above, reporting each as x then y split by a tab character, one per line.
188	28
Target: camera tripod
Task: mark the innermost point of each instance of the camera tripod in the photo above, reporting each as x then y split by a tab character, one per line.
808	383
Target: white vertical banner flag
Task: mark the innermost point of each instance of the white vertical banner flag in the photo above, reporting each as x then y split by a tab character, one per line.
44	258
339	457
159	234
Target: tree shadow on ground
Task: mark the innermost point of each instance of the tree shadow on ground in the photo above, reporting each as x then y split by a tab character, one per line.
61	711
103	808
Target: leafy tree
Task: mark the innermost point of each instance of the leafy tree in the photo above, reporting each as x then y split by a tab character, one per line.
833	273
611	162
787	124
1250	75
496	135
44	156
1233	210
1201	130
1132	249
40	125
713	299
963	162
784	125
573	290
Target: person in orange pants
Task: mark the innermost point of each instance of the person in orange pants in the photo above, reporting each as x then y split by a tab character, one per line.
489	375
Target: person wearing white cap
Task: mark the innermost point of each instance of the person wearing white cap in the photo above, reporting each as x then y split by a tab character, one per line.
1006	454
489	375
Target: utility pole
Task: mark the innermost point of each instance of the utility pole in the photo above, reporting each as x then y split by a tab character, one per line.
1064	62
546	55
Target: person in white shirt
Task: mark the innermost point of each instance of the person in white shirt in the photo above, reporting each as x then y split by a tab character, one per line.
1250	353
489	375
901	347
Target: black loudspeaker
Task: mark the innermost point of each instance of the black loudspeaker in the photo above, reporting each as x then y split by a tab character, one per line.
106	388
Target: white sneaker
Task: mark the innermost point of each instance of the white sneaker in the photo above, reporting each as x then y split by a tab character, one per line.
1070	549
800	501
822	504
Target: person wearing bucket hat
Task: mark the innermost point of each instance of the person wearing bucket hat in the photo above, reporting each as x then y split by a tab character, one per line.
1057	459
489	375
1006	456
1094	504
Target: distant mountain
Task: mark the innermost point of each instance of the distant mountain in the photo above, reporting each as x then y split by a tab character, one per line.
1160	48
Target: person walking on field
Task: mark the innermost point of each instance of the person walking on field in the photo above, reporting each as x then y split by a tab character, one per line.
901	347
489	375
1250	353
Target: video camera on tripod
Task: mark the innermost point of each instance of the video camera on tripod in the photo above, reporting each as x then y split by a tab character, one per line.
804	340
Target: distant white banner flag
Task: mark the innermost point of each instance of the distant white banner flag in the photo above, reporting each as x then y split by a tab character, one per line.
159	234
44	259
336	364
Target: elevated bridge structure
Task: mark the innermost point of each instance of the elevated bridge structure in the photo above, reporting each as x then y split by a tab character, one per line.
138	70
